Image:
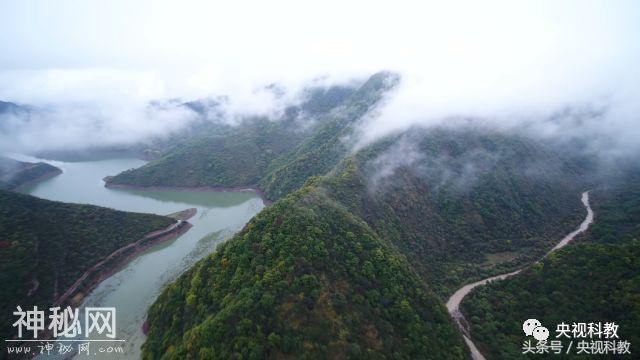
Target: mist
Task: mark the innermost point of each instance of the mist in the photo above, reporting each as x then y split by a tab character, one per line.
550	69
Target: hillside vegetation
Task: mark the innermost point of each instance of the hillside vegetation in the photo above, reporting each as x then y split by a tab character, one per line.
16	174
304	279
325	146
452	205
325	271
45	246
460	204
596	279
276	156
234	158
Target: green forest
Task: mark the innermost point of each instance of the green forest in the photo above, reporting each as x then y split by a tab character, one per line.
281	275
15	174
597	279
304	279
456	204
331	180
475	202
45	246
275	155
454	224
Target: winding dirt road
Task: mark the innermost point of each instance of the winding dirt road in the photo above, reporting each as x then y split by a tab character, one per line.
453	304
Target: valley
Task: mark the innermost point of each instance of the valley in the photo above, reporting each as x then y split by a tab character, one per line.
138	281
334	180
453	304
301	244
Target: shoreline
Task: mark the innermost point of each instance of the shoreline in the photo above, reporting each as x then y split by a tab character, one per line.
252	189
116	261
454	301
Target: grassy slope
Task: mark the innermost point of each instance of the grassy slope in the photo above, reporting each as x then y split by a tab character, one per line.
595	280
53	243
305	278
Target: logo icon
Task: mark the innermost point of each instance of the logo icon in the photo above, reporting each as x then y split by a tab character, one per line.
535	328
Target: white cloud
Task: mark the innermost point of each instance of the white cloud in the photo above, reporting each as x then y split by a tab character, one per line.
499	60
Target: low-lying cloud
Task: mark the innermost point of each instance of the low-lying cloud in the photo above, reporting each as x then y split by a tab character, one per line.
457	173
75	127
552	69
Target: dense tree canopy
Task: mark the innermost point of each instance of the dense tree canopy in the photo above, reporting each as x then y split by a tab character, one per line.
304	279
275	155
15	174
45	246
325	271
456	203
597	279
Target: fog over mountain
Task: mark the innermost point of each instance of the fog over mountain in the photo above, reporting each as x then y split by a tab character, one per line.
332	179
556	69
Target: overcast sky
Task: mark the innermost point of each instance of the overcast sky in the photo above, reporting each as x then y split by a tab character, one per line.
456	57
52	50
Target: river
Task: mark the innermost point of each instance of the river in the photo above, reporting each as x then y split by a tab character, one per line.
453	304
134	288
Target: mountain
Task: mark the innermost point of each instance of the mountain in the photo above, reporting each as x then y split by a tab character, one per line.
325	146
16	174
45	246
372	232
455	203
460	204
277	155
234	157
595	280
304	278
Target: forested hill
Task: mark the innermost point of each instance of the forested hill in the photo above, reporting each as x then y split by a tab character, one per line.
304	279
277	156
596	279
461	203
329	270
16	174
325	146
45	246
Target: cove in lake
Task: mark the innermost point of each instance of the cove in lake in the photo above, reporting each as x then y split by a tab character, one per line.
134	288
